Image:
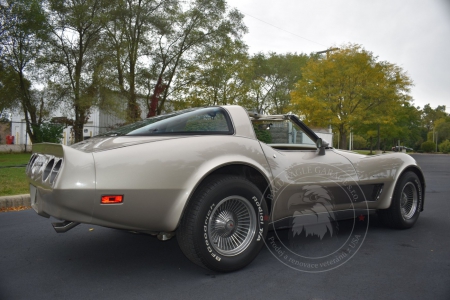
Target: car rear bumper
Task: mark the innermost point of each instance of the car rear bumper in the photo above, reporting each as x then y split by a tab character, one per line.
62	204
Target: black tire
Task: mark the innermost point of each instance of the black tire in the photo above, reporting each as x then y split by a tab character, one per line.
241	202
406	203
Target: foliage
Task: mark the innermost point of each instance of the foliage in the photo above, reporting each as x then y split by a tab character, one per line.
129	28
196	27
443	129
430	115
359	142
49	133
9	87
219	123
167	54
428	146
24	31
262	134
349	88
225	74
445	146
273	77
219	77
76	30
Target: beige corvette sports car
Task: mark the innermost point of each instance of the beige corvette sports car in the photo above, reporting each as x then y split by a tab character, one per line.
218	178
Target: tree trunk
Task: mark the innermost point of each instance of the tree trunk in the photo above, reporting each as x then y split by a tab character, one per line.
343	143
80	116
133	109
159	89
28	109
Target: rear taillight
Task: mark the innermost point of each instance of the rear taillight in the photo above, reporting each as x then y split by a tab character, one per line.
44	167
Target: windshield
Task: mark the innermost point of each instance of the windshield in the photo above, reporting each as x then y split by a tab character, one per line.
210	120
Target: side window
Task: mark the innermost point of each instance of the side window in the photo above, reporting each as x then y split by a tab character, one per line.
281	132
207	122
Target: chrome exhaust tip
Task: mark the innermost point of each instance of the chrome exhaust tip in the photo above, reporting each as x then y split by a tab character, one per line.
65	226
165	236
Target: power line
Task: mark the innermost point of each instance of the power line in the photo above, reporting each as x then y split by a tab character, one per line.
283	29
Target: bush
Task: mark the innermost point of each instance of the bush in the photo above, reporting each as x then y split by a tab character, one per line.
47	132
428	146
263	135
445	146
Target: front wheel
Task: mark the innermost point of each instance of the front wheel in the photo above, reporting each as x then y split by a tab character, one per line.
224	225
406	203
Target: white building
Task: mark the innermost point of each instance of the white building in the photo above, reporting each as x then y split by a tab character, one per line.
99	122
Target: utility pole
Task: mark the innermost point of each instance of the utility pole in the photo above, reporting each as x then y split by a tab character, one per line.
378	144
327	51
436	140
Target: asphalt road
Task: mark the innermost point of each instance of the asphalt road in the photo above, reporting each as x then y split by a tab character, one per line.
37	263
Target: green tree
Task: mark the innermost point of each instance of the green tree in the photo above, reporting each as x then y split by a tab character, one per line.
76	30
22	40
195	27
130	26
406	125
349	88
9	88
445	146
443	129
218	76
430	115
273	77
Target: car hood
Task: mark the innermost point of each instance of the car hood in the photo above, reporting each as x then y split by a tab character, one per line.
97	144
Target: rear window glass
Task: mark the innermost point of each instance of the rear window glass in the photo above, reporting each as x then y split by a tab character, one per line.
210	120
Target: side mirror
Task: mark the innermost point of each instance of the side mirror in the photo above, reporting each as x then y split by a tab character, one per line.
321	146
319	143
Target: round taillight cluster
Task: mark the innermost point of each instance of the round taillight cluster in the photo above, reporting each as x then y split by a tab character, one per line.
55	171
45	167
48	169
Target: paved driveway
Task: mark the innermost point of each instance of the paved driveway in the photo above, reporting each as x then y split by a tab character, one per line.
37	263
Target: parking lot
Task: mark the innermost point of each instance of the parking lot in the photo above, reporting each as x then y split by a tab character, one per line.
91	262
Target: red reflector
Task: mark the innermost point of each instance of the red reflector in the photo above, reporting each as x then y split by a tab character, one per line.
112	199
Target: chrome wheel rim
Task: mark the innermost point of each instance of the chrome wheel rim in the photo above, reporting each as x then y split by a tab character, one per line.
408	200
232	226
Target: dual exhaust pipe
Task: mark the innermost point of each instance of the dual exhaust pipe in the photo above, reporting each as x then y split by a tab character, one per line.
61	227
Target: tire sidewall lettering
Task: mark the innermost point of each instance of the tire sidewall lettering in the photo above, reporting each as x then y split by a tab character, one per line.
260	218
420	194
259	234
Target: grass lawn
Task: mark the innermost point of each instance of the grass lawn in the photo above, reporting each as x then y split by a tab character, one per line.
13	181
365	152
14	159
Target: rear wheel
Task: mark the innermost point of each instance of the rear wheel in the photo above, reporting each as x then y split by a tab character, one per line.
224	225
406	203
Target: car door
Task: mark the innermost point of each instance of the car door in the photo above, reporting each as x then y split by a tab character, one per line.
306	181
